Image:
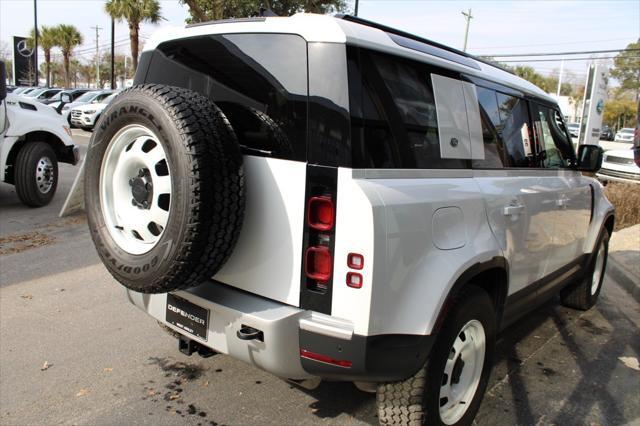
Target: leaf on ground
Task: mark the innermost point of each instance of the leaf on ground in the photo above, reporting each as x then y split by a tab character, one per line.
107	370
174	397
27	296
82	392
205	384
45	366
152	392
631	362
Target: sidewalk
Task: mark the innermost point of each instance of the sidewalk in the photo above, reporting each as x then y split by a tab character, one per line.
624	259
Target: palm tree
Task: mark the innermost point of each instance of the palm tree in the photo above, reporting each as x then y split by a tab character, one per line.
134	12
47	40
68	37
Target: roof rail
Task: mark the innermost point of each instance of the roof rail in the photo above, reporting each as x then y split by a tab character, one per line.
405	34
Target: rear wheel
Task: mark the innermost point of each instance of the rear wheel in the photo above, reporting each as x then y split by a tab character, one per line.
584	294
164	188
449	388
36	174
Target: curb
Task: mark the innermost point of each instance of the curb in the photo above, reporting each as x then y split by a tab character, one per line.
623	277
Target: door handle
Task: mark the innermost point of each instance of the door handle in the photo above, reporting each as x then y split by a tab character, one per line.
512	210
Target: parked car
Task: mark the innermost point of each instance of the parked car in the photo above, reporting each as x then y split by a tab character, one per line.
10	89
574	129
86	116
43	93
95	96
625	135
54	101
619	166
606	133
23	90
356	231
33	139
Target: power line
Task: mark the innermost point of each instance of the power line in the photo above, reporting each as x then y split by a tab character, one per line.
553	44
584	52
567	59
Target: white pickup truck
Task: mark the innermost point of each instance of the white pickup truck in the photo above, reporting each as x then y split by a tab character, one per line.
33	139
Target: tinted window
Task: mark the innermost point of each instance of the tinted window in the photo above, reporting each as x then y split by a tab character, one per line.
554	146
515	130
395	123
494	152
258	80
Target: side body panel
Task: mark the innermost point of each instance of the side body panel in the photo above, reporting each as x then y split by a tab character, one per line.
436	228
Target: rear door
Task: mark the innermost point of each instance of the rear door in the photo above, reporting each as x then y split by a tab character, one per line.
520	199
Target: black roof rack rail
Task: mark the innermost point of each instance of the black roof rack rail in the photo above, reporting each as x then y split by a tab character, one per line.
405	34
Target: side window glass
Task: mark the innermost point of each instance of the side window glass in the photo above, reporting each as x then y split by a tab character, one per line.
556	150
515	130
394	120
494	151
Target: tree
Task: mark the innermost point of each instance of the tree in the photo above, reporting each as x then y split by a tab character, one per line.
207	10
47	40
626	69
531	75
68	37
8	64
134	12
618	112
575	98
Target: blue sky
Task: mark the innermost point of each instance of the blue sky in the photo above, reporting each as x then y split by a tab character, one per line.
498	27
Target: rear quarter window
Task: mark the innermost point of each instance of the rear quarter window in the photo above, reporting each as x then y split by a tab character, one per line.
258	80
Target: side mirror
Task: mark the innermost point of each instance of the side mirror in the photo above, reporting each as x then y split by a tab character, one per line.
589	158
65	98
3	81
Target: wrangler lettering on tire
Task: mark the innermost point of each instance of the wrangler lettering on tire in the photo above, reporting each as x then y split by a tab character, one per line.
164	188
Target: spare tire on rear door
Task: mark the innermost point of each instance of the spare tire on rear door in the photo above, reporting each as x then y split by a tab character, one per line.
164	188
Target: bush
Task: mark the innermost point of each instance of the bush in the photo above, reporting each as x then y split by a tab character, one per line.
626	199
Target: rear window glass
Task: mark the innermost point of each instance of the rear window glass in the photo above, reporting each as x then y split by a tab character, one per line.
258	80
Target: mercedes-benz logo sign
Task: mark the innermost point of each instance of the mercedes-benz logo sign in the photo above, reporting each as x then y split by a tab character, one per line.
23	49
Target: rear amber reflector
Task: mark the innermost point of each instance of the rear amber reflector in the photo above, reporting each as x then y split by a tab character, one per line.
355	261
354	280
318	263
323	358
321	213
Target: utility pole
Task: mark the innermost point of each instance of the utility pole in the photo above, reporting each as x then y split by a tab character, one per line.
97	28
113	62
35	47
560	79
468	16
355	12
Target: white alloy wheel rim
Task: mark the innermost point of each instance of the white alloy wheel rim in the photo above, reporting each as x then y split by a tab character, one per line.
135	189
44	175
597	272
462	372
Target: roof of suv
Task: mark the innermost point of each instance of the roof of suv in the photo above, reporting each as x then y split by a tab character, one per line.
358	32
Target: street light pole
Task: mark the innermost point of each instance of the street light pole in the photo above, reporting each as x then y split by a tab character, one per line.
35	47
355	12
468	17
113	64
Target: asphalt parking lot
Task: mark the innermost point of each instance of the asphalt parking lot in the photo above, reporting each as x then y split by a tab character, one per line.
74	351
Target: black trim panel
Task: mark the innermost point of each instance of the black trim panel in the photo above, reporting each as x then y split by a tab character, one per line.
530	297
381	358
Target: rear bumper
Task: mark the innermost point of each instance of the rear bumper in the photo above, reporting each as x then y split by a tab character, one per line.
289	332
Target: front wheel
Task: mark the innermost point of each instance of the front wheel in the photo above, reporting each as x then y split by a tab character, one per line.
584	294
36	174
449	388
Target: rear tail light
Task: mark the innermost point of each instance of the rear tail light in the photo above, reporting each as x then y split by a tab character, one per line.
321	213
318	263
323	358
354	280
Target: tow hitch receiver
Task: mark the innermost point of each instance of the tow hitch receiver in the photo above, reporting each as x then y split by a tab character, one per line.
188	347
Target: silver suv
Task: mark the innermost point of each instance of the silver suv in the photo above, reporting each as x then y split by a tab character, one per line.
328	198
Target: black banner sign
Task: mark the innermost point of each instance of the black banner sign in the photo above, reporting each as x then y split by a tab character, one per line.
23	72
